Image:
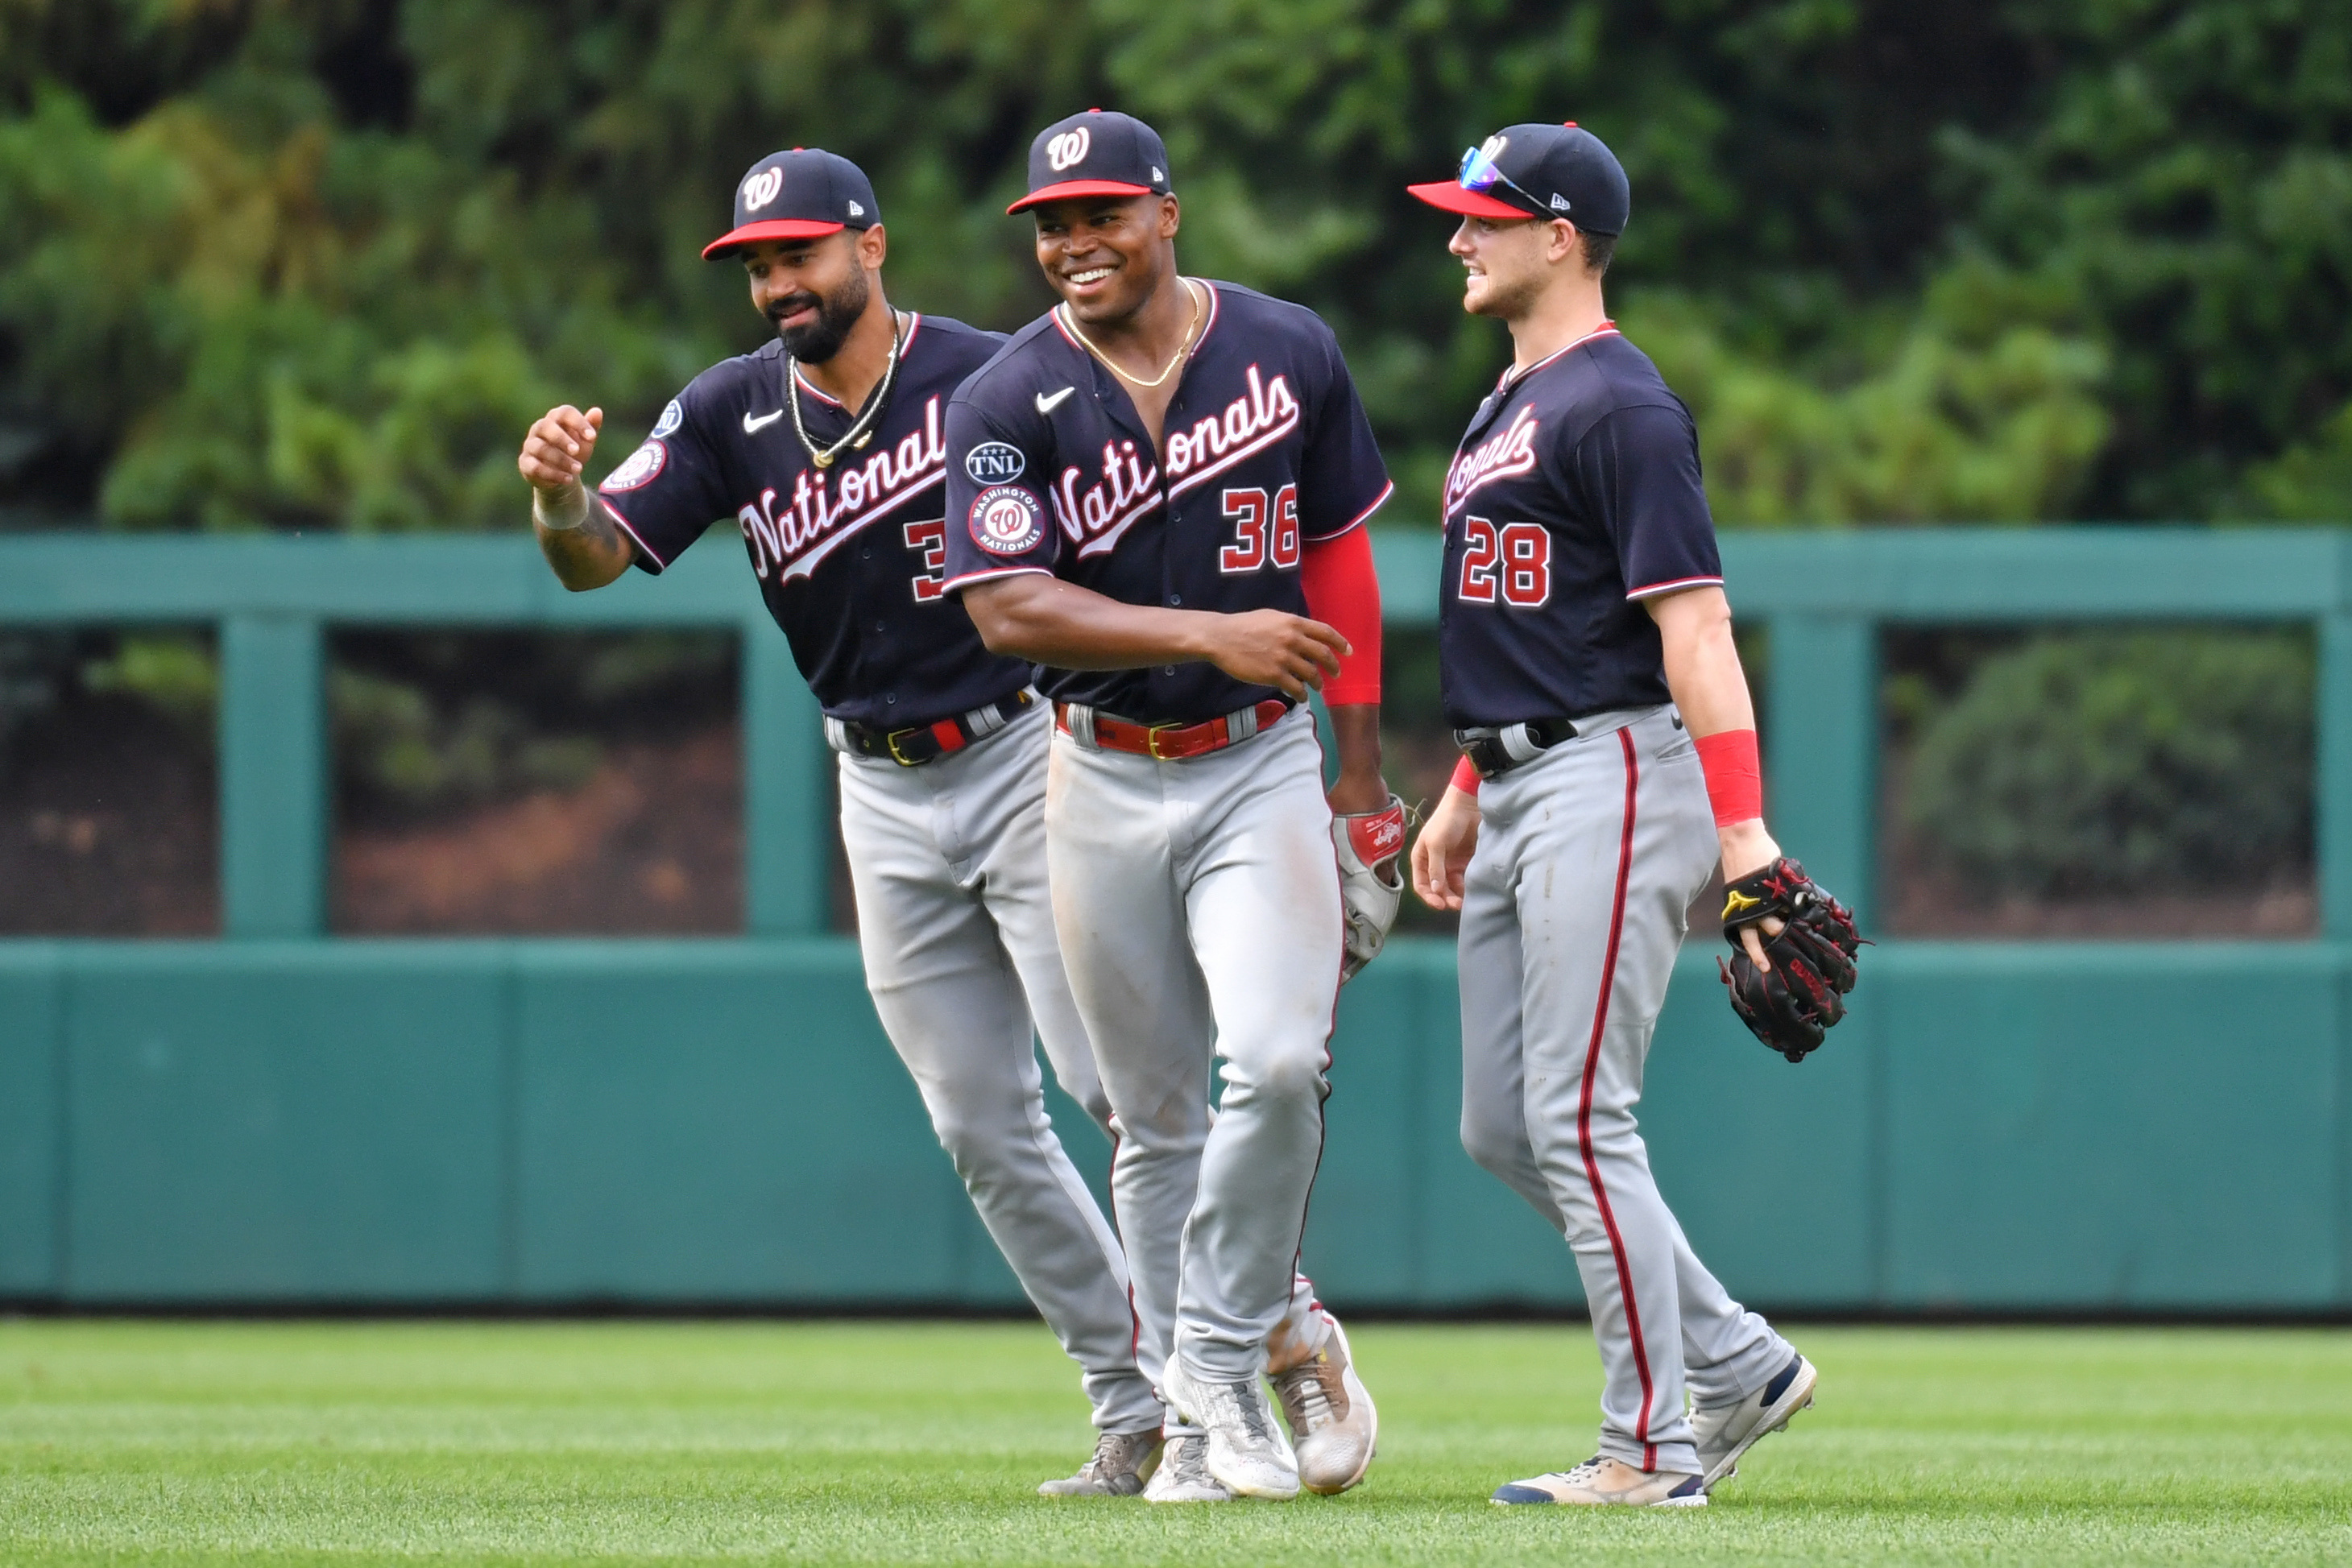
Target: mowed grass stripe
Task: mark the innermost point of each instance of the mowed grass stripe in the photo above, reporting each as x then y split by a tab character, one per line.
920	1443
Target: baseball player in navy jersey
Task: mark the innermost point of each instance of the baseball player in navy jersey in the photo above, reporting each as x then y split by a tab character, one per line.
827	447
1610	761
1150	490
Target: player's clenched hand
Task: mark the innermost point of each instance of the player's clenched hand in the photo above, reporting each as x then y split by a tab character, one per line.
1441	855
1746	847
557	449
1273	648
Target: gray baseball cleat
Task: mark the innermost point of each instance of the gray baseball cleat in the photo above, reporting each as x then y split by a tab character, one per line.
1605	1482
1183	1473
1728	1431
1122	1463
1246	1451
1333	1425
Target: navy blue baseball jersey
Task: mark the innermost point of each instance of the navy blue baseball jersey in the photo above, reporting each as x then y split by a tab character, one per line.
849	558
1050	470
1574	496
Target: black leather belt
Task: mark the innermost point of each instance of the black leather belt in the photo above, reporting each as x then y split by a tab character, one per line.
1499	747
913	746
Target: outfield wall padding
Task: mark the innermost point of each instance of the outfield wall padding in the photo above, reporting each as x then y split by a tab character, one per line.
558	1123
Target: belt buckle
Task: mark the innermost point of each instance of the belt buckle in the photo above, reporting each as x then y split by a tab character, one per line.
890	739
1151	741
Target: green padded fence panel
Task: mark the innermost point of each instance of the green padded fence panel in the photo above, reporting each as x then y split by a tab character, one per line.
284	1121
1768	1164
32	1108
727	1122
2110	1126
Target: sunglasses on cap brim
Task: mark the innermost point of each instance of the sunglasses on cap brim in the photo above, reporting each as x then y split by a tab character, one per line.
1479	174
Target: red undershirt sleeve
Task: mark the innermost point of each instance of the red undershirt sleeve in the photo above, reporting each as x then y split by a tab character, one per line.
1343	591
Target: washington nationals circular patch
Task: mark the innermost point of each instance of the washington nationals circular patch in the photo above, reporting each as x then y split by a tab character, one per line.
641	467
1006	520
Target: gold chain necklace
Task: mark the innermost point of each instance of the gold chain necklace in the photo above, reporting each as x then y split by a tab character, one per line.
1070	319
861	430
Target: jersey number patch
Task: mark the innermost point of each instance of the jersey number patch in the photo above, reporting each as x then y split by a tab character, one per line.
1515	557
1262	531
932	540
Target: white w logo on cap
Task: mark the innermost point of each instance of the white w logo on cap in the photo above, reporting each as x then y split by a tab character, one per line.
762	188
1068	148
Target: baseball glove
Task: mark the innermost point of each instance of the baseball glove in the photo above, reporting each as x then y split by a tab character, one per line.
1789	1006
1370	844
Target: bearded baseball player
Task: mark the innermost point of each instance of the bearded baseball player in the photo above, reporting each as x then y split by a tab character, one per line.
827	446
1150	492
1610	762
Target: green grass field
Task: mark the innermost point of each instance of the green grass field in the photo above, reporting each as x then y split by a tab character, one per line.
894	1443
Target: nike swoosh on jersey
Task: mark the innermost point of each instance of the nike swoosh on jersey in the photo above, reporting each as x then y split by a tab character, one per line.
753	426
1048	404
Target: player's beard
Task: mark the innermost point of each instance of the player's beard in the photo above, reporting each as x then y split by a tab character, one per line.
1507	302
837	314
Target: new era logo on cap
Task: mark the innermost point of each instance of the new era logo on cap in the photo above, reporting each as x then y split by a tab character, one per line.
1096	154
804	193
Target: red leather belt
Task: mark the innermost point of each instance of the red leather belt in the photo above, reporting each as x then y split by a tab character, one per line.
1167	742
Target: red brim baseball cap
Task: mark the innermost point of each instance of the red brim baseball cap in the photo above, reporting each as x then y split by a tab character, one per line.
805	193
1094	154
1069	189
778	228
1451	197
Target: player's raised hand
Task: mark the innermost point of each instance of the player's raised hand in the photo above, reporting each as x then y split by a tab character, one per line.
558	448
1275	648
1441	855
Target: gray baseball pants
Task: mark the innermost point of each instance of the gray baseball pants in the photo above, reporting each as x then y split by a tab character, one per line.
956	926
1198	903
1573	909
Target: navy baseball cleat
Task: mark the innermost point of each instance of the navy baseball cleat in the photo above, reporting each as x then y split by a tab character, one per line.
1728	1431
1606	1482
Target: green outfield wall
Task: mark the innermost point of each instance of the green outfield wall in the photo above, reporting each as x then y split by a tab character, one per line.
281	1117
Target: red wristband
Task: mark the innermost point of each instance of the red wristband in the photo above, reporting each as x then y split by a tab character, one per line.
1735	782
1465	776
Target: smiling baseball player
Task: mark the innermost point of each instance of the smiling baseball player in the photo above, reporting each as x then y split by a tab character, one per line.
828	448
1587	664
1149	489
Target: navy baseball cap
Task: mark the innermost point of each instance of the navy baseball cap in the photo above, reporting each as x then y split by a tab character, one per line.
1538	172
1096	154
804	193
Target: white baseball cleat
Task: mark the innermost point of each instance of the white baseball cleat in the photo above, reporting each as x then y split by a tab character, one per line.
1605	1482
1728	1431
1333	1425
1246	1449
1183	1473
1122	1463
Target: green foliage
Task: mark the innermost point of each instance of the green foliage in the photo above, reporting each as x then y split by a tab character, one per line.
2184	194
316	263
429	721
174	673
394	746
2123	762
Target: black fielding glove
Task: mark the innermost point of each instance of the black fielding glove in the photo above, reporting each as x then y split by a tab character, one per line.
1793	1004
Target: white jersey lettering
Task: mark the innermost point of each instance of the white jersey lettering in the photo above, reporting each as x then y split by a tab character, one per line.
792	539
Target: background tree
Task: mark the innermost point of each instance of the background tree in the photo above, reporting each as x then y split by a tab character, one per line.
313	263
